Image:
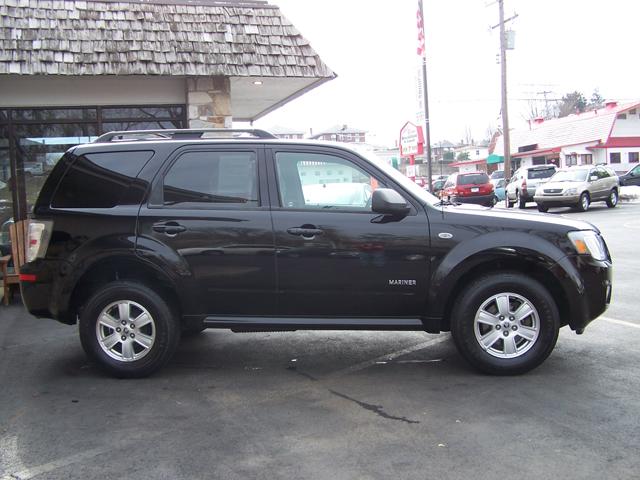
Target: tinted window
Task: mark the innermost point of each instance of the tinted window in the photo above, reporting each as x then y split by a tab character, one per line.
212	178
98	180
473	179
541	173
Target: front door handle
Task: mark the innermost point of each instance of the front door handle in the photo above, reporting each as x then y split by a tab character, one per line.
169	228
305	231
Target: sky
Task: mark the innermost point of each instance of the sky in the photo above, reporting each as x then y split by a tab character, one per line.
560	46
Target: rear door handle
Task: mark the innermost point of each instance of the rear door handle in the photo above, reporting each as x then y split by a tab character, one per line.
169	228
306	232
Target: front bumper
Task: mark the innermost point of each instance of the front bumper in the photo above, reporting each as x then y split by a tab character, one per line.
587	288
557	200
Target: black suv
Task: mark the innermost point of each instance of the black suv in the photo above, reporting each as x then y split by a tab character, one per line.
142	237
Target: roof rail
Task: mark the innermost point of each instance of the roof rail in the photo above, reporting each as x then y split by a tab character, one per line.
179	134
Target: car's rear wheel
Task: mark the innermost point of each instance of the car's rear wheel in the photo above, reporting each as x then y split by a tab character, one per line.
521	202
542	208
612	199
505	324
507	203
128	329
584	202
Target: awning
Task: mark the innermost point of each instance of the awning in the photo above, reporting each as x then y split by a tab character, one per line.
491	159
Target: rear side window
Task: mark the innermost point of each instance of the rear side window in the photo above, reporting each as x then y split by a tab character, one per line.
212	178
473	179
541	173
99	180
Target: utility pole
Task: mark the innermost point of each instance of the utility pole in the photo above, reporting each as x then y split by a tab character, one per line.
427	132
505	112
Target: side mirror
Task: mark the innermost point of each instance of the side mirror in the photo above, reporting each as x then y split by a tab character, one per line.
389	202
593	178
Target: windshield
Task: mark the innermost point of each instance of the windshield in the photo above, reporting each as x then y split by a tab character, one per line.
570	176
416	190
541	173
497	174
473	179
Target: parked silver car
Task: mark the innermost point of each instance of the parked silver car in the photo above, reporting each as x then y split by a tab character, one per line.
579	186
522	186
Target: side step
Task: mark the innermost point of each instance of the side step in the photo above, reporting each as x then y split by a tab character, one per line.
253	324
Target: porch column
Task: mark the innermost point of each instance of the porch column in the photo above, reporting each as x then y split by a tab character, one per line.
209	102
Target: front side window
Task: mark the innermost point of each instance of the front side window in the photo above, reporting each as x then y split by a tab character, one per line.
337	183
223	178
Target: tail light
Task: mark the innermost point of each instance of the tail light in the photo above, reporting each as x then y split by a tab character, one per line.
524	184
38	238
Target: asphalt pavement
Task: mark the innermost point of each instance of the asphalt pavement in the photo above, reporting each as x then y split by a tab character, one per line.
330	405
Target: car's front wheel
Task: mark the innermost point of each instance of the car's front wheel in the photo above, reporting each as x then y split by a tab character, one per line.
505	324
542	208
507	203
584	202
521	202
612	199
128	329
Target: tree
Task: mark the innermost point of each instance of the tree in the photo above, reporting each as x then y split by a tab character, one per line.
597	100
462	156
574	102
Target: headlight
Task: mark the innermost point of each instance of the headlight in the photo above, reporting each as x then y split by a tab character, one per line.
588	242
570	191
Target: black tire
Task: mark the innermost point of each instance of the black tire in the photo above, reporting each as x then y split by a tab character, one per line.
164	328
494	201
584	202
542	208
521	202
612	199
507	203
468	304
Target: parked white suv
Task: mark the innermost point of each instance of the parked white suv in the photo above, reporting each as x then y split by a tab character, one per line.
579	186
524	182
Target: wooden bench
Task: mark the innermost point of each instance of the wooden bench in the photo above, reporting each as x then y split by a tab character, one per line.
18	233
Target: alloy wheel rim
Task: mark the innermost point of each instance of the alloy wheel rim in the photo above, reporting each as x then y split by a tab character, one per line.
585	202
506	325
125	330
614	197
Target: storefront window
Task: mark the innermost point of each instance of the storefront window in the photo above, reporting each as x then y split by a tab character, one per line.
54	114
161	113
32	140
115	126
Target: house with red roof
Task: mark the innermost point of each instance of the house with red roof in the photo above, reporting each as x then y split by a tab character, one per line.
609	135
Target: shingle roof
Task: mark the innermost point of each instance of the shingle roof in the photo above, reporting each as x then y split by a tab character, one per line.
591	126
80	37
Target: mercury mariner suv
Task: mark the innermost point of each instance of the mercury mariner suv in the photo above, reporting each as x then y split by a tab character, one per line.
141	237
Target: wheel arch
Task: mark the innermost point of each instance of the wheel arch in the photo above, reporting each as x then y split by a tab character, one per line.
534	270
122	267
466	262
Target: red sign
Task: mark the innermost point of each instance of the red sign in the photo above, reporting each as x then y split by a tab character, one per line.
411	140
